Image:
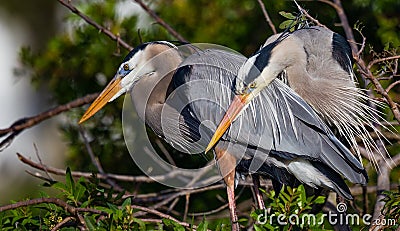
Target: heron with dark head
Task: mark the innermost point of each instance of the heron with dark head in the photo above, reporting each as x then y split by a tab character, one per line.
316	63
279	136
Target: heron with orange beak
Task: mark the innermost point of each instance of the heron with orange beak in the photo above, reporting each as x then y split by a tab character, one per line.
280	132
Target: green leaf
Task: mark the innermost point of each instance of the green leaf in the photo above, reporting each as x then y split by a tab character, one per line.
142	225
127	202
60	186
79	191
90	222
259	228
175	225
202	226
69	181
285	24
319	200
287	15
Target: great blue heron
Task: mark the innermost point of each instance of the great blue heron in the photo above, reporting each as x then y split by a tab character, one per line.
316	63
285	139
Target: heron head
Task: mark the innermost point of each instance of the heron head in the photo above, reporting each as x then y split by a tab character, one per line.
135	66
254	75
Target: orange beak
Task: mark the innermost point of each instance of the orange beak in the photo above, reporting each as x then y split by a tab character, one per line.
233	111
112	88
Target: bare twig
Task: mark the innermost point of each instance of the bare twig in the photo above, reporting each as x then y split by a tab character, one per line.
87	19
61	172
335	6
165	152
23	123
396	160
161	21
392	85
392	136
96	161
267	18
375	61
125	178
40	161
69	208
187	200
63	222
346	26
39	176
303	11
219	209
163	215
368	74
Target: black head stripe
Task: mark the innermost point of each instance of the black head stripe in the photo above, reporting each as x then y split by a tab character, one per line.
134	51
142	47
264	54
262	58
341	51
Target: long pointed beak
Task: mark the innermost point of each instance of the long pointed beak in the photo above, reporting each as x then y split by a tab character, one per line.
112	88
233	111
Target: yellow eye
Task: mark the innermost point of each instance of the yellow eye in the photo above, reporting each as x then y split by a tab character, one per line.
126	67
252	85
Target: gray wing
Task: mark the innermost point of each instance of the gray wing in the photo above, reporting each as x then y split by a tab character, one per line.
277	124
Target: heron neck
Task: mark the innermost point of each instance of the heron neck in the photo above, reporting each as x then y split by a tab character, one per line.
150	93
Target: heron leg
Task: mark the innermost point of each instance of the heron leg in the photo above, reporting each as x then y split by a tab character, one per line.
227	165
258	196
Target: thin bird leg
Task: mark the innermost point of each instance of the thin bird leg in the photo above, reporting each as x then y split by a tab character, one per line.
227	165
256	186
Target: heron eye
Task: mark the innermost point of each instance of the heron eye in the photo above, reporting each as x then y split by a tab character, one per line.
252	85
126	67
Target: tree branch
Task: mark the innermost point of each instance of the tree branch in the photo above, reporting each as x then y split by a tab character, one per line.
69	208
61	172
161	21
363	68
346	26
23	123
302	10
267	18
163	215
96	161
87	19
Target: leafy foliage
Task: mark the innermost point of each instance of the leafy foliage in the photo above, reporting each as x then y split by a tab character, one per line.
391	210
288	210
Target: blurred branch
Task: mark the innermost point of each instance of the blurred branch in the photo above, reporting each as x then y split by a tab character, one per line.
161	21
162	215
375	61
61	172
267	18
345	24
73	9
104	176
96	161
303	11
396	160
387	134
23	123
357	190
